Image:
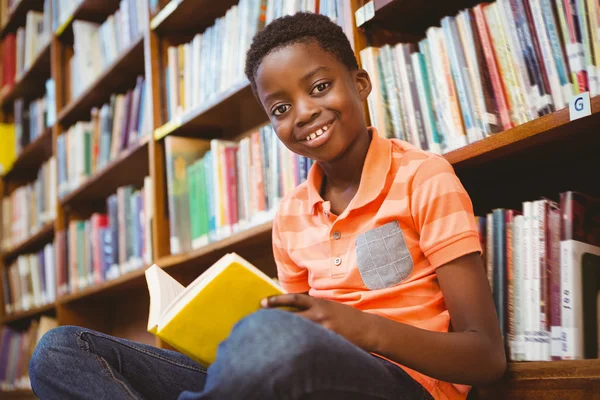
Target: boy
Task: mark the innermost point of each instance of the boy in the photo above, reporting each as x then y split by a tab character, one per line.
381	236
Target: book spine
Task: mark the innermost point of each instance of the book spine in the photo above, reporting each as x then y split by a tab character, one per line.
499	90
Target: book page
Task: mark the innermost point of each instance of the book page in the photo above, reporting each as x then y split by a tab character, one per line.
163	289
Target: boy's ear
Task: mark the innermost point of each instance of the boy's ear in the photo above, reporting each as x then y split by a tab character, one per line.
363	83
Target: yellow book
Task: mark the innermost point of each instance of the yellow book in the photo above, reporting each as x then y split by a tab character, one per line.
7	147
196	318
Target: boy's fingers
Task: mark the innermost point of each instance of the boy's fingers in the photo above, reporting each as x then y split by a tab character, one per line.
300	301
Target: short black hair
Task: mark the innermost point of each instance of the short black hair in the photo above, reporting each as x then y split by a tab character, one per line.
302	27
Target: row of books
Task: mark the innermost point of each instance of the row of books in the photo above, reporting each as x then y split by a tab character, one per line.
107	245
30	281
21	49
16	349
34	117
485	70
97	46
27	209
213	61
88	146
217	187
543	264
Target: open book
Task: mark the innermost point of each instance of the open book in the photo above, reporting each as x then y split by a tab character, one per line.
195	319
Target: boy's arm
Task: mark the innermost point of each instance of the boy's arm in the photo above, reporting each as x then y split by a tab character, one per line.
474	352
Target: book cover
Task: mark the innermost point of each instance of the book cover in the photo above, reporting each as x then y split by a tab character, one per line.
196	318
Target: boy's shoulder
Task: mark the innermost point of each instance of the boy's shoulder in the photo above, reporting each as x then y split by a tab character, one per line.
408	160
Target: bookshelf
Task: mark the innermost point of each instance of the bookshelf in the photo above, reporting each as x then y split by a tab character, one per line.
16	16
500	170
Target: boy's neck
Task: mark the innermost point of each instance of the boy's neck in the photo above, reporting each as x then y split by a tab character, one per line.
345	172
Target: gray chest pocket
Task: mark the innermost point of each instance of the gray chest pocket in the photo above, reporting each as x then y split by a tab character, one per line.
383	257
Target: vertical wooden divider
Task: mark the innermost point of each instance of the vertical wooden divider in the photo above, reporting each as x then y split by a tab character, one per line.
160	223
57	71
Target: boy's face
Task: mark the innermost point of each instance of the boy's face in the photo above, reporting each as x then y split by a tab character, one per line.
314	102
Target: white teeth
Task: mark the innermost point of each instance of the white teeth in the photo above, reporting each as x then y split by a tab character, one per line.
317	133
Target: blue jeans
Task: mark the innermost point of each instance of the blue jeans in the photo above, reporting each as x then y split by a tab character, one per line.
271	354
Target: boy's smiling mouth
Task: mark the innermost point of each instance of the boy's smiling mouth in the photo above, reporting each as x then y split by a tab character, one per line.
316	137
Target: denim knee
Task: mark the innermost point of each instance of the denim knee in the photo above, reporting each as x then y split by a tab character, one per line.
49	352
271	339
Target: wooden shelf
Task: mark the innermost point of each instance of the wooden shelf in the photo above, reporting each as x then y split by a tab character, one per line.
116	78
582	369
34	312
230	113
204	256
129	280
532	135
175	16
31	84
129	168
18	15
89	10
32	157
413	17
42	236
18	394
259	235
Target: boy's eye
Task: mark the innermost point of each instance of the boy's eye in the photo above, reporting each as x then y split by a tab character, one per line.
281	109
320	87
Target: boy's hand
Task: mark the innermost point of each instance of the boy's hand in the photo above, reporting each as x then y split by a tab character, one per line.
344	320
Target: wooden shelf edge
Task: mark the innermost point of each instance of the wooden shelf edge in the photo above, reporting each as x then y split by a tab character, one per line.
103	286
17	394
121	158
29	313
513	136
571	369
8	95
174	260
68	109
42	233
30	148
181	121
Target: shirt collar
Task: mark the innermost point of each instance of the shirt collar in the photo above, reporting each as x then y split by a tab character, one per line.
372	180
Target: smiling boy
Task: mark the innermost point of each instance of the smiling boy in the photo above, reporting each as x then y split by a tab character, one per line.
381	236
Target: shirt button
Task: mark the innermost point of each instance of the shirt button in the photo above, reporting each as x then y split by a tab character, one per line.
337	261
337	235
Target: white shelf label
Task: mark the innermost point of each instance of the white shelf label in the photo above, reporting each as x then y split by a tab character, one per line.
369	11
580	106
365	13
359	15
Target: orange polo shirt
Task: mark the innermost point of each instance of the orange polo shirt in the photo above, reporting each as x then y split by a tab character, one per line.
410	216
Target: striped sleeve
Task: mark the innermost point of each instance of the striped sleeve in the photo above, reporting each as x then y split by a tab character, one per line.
442	213
293	278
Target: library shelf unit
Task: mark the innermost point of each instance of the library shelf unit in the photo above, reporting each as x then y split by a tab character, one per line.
18	14
122	71
214	117
22	315
88	10
29	159
31	82
503	166
174	17
43	235
127	168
